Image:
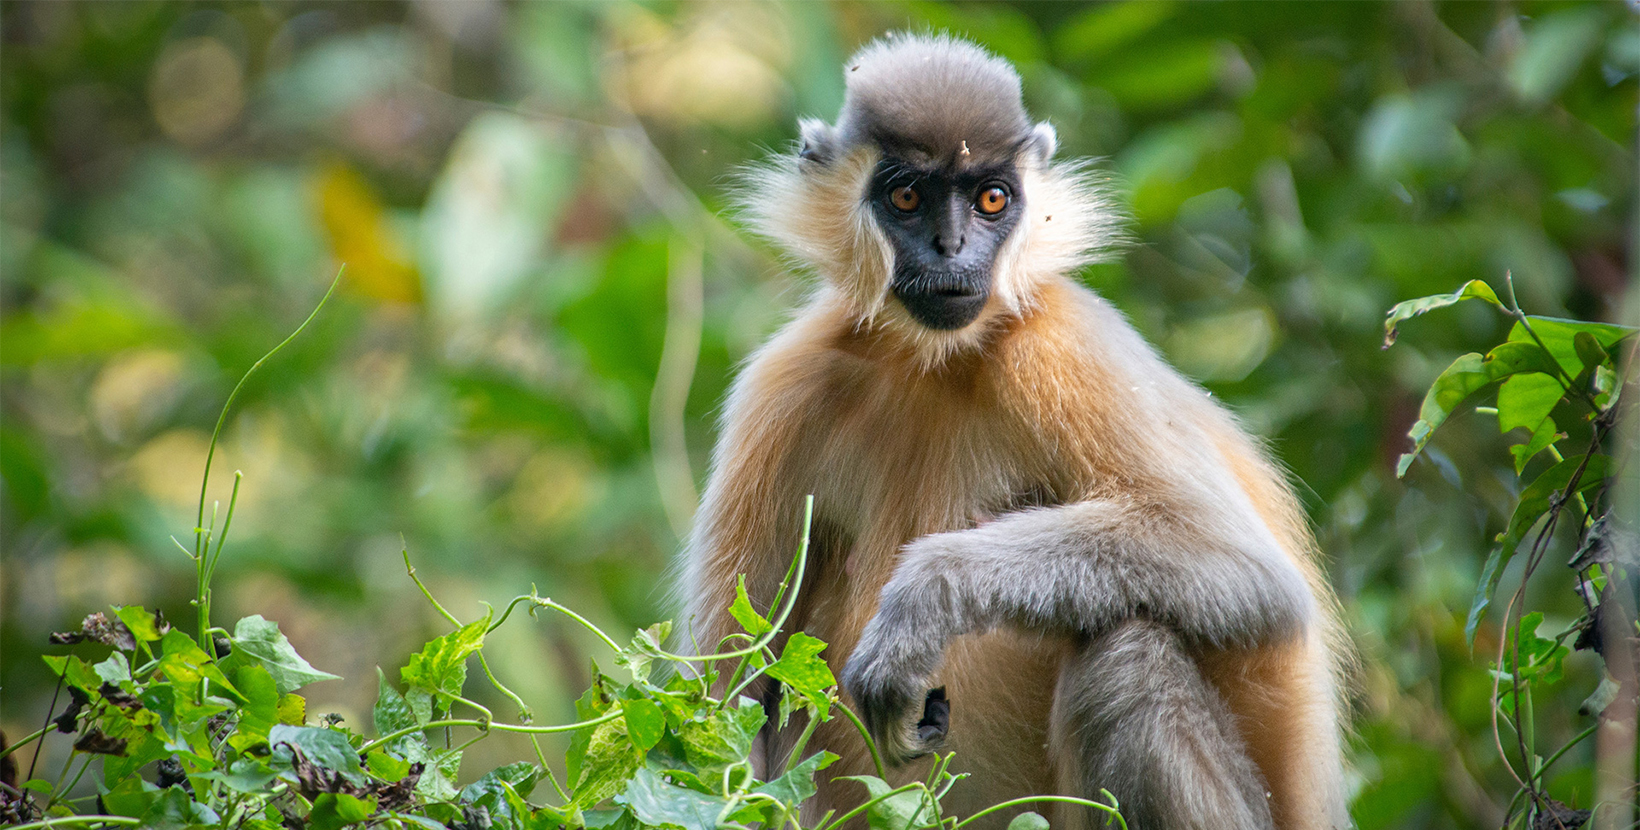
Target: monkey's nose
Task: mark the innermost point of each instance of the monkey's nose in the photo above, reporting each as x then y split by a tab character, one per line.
949	245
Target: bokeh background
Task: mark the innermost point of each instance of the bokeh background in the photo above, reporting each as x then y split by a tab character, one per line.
545	298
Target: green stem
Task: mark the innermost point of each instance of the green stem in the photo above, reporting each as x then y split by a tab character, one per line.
207	569
876	760
547	768
411	569
1579	738
524	713
74	783
1520	317
1114	812
63	821
26	741
222	418
482	709
779	621
802	741
482	725
545	602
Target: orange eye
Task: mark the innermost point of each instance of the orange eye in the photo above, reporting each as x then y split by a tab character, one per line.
904	198
992	200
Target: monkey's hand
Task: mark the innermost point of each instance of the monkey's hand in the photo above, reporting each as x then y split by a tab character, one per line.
887	675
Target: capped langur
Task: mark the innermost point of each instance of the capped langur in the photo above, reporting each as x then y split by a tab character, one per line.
1016	500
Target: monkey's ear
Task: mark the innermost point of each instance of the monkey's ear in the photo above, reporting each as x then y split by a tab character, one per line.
818	140
1043	141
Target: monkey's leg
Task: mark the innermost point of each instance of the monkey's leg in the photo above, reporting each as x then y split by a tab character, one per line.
1133	715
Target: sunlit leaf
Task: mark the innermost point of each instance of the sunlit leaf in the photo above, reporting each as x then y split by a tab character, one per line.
1559	336
644	722
332	811
1542	437
801	668
259	640
797	785
1525	400
754	623
439	670
1472	290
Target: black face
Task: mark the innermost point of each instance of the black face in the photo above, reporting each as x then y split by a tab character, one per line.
946	227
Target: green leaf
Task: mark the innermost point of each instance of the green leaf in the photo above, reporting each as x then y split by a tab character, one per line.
1467	375
442	769
1545	434
327	748
797	785
608	762
754	623
659	804
246	775
801	669
1510	358
260	641
385	766
1525	400
1472	290
292	709
502	790
644	649
179	715
723	739
1534	502
645	722
440	668
1560	337
1589	350
593	703
260	712
182	662
176	810
115	669
131	797
895	812
391	712
74	671
1028	821
144	624
335	810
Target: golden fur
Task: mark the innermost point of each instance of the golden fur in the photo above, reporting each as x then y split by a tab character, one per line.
1049	398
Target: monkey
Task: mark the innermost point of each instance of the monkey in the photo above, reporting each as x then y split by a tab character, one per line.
1034	544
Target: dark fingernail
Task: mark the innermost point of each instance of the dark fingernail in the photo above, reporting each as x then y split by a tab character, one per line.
936	718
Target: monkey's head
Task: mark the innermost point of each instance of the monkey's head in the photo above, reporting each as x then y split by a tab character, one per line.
932	205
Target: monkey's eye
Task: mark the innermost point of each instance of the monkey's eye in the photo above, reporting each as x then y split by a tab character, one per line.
992	200
904	198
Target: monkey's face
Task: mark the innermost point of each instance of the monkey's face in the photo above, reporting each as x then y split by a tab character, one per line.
946	224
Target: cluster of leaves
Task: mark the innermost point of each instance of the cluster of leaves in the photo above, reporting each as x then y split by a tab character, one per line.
230	744
1559	382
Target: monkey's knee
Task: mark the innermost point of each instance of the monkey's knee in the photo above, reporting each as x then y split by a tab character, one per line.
1133	715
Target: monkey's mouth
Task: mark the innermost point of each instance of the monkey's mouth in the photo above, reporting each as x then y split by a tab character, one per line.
942	307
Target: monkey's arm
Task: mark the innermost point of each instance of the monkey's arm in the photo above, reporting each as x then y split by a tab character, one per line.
1222	582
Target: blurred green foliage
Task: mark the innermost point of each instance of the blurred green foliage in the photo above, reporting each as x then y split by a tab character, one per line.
531	200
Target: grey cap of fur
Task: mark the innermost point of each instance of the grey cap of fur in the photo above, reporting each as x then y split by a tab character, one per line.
934	94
